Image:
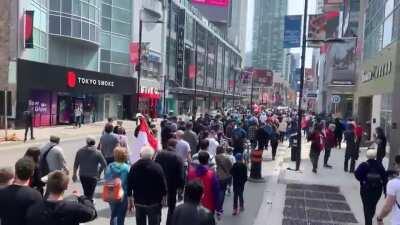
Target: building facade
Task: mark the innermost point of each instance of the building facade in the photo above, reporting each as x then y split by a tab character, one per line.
377	96
78	58
268	32
203	66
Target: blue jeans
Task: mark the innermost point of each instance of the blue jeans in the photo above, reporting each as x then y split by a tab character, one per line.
118	211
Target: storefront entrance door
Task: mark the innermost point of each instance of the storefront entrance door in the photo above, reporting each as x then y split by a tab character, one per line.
107	108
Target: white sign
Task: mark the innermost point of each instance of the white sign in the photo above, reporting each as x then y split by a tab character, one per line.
87	81
335	99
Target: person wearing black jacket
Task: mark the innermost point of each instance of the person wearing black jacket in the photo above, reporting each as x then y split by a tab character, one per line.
262	137
36	182
28	120
56	210
191	211
351	149
381	143
239	175
146	188
373	178
173	168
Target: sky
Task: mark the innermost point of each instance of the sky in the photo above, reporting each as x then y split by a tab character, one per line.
295	7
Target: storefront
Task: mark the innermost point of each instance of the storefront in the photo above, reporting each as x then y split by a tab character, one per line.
149	102
54	92
375	91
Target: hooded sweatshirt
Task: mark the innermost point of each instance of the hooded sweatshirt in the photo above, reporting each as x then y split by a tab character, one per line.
120	170
210	184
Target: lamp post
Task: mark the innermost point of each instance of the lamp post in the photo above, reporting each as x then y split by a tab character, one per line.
139	65
251	91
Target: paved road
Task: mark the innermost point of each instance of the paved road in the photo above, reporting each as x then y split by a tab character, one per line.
253	192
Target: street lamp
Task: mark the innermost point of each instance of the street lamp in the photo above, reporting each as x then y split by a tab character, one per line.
139	65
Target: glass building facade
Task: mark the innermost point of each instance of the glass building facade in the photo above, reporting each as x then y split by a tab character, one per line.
382	25
116	20
215	60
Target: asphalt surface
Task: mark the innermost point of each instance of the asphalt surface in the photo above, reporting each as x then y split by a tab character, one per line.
253	192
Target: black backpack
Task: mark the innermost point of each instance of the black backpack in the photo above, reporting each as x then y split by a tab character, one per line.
373	179
43	165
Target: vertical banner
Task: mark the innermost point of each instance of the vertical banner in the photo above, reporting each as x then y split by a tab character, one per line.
192	71
292	31
316	29
134	53
28	32
180	45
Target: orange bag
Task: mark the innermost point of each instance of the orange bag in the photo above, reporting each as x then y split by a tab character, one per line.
113	191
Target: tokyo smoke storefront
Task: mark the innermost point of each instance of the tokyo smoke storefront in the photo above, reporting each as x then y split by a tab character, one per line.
53	92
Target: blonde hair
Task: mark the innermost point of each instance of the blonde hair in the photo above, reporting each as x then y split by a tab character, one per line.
371	154
120	154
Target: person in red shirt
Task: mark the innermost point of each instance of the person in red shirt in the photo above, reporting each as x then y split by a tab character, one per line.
330	142
359	133
317	145
208	178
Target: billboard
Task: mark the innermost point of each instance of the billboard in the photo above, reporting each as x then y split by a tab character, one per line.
332	24
341	63
28	33
263	77
316	29
213	10
292	31
219	3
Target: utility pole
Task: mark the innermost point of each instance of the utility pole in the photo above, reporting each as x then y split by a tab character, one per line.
303	57
166	76
139	65
5	116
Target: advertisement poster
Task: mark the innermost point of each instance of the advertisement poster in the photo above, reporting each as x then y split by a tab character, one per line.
332	24
180	45
292	31
263	77
134	53
316	29
341	59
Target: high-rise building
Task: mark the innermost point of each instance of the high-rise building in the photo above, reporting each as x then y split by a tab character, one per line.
268	34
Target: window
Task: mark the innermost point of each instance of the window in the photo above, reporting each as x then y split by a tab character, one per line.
91	13
119	44
106	24
54	24
92	32
65	26
105	40
85	30
66	6
76	28
125	4
120	28
121	14
105	67
85	10
55	5
106	10
76	7
105	55
387	31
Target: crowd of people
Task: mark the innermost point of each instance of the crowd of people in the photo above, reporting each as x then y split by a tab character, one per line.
198	161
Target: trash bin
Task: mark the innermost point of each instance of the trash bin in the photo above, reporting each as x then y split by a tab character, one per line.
294	147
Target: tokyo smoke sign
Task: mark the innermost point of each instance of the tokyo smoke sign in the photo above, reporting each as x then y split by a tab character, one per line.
292	32
73	79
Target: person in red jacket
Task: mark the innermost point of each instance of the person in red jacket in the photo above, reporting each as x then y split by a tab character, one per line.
330	142
359	133
317	145
207	177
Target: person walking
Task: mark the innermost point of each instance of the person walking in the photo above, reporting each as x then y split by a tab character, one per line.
56	210
317	145
91	164
351	149
239	175
173	167
147	187
262	137
330	142
283	125
224	166
381	143
28	122
36	182
208	178
119	169
191	212
339	129
252	133
372	177
238	139
359	131
18	197
191	137
212	143
274	138
78	116
108	142
52	157
391	204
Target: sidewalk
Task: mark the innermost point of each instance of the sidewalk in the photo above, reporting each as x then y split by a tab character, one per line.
329	197
65	132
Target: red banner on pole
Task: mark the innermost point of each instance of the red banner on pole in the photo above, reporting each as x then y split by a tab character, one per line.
192	71
134	52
